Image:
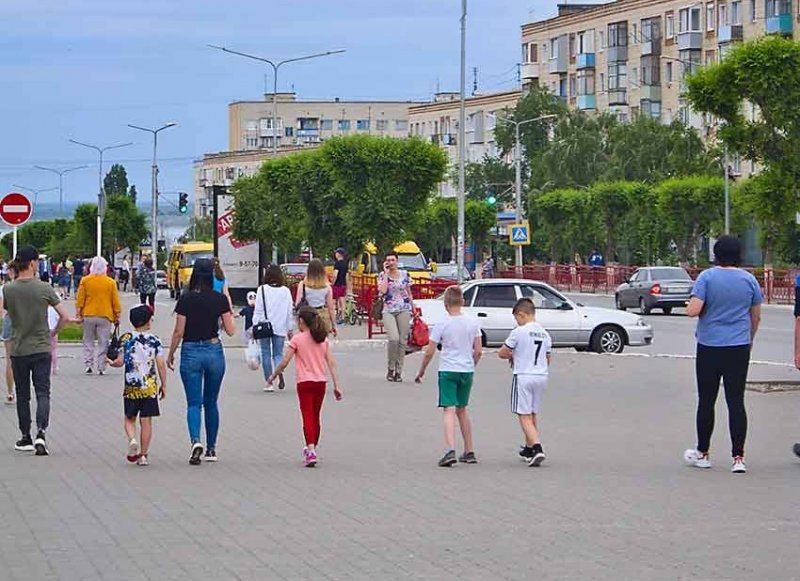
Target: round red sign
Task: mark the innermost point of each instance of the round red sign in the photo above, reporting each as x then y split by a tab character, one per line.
15	209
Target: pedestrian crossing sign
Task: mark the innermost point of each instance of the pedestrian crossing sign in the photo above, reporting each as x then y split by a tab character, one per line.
519	234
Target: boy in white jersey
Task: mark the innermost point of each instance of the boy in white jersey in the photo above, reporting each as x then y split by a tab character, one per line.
528	348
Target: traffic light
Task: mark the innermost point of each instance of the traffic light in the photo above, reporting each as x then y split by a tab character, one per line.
183	202
491	197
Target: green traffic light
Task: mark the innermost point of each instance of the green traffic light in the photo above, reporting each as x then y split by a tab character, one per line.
491	200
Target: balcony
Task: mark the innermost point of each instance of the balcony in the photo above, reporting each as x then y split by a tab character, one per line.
308	132
650	92
692	40
530	71
558	65
586	102
733	33
618	97
651	47
585	61
617	54
779	24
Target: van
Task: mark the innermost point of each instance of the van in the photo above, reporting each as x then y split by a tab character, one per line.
409	257
181	262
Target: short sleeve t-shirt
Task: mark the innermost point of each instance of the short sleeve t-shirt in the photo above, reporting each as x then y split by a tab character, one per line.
457	335
26	301
340	267
530	344
140	351
310	356
202	311
397	298
728	295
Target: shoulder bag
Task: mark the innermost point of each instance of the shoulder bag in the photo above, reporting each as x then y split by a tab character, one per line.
263	330
114	345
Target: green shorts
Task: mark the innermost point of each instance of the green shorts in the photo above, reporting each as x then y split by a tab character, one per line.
454	388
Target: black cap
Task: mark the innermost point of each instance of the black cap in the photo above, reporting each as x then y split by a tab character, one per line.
203	267
25	255
140	315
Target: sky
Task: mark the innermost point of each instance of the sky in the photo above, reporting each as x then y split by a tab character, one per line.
84	69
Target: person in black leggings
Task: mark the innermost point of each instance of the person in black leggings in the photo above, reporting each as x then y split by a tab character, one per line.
146	279
727	301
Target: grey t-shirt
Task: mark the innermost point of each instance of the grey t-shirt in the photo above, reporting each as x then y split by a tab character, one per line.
26	301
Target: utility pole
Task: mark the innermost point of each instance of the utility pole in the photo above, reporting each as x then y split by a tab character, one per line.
462	119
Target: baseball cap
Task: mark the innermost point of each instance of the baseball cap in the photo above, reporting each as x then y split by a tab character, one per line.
140	315
204	266
25	255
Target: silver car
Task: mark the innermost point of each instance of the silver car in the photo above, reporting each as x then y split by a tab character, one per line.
569	324
655	287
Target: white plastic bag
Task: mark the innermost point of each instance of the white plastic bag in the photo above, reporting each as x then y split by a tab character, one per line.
253	355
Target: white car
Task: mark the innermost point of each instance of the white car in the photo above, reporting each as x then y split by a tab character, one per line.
569	324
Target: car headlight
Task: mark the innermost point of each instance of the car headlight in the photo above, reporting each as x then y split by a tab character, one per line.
640	322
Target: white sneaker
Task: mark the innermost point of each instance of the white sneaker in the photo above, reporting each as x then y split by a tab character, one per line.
143	461
696	459
133	450
269	388
738	466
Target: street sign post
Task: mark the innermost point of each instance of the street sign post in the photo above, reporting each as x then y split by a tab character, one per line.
15	210
519	234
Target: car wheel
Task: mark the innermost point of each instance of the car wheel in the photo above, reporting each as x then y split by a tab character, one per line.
667	310
608	339
618	303
643	308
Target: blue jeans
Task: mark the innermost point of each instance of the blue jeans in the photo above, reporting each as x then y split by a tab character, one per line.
202	369
271	353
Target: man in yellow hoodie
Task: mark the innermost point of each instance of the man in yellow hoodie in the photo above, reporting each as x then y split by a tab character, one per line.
98	306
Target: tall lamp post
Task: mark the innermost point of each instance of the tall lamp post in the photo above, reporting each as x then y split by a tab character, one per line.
35	191
275	66
101	196
154	190
60	173
462	120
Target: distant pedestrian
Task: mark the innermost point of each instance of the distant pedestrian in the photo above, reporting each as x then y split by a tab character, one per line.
460	337
596	259
314	360
63	279
340	283
316	292
146	281
98	307
142	355
26	300
220	283
273	304
202	367
528	348
487	269
125	274
727	301
246	313
77	273
7	332
394	287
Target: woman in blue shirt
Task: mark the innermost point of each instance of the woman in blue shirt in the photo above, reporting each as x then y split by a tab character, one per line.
727	301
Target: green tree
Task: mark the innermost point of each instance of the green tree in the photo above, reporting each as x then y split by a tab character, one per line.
124	225
133	194
200	229
534	136
115	183
491	175
569	220
437	227
479	220
82	233
613	202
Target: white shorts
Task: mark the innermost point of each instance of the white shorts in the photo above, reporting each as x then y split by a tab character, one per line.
526	393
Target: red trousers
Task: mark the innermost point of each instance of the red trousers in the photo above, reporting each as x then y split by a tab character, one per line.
311	394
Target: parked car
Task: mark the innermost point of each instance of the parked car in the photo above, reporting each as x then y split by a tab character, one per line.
655	287
570	324
450	272
161	279
294	272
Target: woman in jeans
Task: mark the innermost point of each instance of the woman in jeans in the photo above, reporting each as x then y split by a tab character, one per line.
394	285
318	294
98	306
727	301
273	303
202	358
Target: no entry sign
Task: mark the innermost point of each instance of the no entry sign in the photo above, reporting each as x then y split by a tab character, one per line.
15	209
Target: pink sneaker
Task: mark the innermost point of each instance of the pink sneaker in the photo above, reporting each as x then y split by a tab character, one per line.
311	458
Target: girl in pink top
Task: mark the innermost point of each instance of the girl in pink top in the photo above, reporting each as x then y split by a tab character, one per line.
314	359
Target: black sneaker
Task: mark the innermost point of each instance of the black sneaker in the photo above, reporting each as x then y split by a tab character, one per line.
468	458
211	455
40	445
525	452
448	459
796	449
197	454
24	444
538	456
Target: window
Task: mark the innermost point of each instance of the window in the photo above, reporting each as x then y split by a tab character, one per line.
586	82
344	125
289	131
778	7
711	57
496	295
736	13
252	142
651	109
651	70
381	125
635	276
533	53
669	19
617	76
669	72
752	10
722	16
689	20
572	46
618	34
525	52
586	42
362	124
602	83
252	126
651	30
542	298
326	125
553	48
468	294
400	125
572	85
710	16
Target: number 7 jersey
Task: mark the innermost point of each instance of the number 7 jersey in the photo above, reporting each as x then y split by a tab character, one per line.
531	345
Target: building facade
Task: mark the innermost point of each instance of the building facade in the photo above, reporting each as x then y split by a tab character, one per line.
438	122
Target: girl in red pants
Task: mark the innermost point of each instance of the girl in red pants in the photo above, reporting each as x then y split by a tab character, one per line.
314	358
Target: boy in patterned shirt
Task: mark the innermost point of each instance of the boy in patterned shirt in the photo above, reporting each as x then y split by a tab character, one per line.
143	357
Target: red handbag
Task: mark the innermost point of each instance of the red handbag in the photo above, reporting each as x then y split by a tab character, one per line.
420	333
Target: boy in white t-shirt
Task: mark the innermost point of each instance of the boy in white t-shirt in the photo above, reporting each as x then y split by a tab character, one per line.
528	348
460	337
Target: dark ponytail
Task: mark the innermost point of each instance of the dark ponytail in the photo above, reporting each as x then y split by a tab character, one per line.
314	322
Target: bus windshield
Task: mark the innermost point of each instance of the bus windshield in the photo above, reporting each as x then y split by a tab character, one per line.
190	257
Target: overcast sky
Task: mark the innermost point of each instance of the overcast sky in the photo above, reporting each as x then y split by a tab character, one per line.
83	69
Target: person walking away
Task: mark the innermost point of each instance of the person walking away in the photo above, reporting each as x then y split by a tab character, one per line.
316	292
340	283
273	304
77	274
460	338
7	332
202	368
146	279
528	348
98	307
394	285
220	284
142	355
312	351
125	273
63	279
26	300
727	303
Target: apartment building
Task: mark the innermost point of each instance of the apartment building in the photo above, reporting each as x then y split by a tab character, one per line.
630	57
438	122
308	123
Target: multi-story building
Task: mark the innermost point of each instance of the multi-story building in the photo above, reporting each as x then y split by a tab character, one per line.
308	123
438	122
630	57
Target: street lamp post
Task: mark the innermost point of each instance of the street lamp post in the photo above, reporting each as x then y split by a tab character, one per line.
60	173
101	197
462	120
36	192
154	190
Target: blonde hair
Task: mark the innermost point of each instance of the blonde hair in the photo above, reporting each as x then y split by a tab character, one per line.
315	275
453	297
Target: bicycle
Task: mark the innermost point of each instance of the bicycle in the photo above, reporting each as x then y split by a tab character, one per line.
351	315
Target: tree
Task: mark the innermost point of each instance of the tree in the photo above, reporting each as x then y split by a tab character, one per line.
479	219
534	136
569	220
200	229
437	227
613	202
133	194
116	181
490	176
124	225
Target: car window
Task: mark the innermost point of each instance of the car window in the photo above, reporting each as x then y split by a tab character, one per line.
542	298
189	258
635	276
468	294
496	295
644	275
670	274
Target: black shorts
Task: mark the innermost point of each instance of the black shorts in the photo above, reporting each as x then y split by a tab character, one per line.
145	408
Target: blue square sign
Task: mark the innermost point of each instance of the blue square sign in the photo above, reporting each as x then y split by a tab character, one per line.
519	234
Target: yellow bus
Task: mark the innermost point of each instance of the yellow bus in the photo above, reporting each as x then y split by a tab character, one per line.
181	262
